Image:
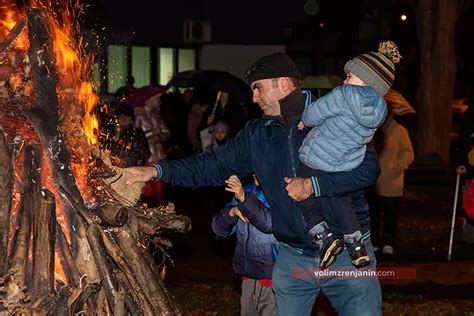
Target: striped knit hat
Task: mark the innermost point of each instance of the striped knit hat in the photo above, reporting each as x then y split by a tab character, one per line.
376	69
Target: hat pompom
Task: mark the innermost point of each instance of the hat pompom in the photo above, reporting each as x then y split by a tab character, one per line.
390	49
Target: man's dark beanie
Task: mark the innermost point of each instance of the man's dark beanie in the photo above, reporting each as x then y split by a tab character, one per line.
272	66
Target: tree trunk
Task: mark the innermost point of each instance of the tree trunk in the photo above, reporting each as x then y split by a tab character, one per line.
6	188
44	236
436	31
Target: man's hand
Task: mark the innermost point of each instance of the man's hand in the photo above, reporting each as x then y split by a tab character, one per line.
299	189
234	185
234	211
461	170
141	174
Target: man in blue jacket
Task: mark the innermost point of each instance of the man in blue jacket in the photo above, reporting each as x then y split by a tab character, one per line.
269	148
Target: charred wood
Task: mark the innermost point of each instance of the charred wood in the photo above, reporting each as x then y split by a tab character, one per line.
67	261
30	197
104	266
112	215
149	281
6	189
131	280
88	291
45	113
44	235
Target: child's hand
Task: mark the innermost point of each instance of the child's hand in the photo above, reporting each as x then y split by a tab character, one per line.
300	125
236	212
234	185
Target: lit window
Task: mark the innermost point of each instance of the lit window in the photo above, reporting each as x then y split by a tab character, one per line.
117	67
165	65
141	66
186	59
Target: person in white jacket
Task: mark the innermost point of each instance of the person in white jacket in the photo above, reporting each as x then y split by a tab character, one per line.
395	155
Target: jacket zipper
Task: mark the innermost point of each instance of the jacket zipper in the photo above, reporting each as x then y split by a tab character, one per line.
292	158
246	248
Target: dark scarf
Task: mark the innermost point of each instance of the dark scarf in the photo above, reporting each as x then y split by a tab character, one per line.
291	108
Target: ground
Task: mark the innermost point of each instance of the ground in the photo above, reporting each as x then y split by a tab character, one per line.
204	284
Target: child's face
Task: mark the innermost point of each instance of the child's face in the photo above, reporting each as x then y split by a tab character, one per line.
354	80
221	134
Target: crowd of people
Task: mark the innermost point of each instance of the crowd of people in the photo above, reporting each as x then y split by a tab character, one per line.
311	163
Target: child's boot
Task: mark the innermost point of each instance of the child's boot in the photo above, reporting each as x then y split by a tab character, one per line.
328	245
357	251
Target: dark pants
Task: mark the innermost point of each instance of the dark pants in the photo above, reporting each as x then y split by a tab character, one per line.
341	207
389	206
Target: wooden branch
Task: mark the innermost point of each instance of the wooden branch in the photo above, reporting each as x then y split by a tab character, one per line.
67	261
59	306
6	189
179	223
44	236
103	264
30	197
150	283
88	292
45	113
130	303
112	215
133	285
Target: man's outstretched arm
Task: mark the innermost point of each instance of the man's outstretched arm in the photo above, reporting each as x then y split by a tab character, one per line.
211	168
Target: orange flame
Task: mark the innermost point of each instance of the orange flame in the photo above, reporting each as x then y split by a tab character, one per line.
86	96
75	92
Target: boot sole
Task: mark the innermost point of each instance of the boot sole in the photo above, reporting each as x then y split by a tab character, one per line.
331	253
361	262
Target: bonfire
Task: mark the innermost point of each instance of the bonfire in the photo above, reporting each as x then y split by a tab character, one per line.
73	236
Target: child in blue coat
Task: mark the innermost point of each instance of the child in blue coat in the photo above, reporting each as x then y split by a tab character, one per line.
344	122
248	215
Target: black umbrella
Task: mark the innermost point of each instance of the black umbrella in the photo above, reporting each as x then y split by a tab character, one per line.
212	80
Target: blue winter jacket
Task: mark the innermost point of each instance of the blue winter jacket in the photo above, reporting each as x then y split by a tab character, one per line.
268	147
253	251
344	121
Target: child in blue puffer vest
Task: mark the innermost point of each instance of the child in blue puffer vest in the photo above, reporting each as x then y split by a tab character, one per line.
344	122
248	215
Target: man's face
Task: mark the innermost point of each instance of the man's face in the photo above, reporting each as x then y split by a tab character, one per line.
267	93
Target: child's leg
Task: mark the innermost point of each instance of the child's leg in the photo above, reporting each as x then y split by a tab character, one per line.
341	208
343	211
310	212
324	240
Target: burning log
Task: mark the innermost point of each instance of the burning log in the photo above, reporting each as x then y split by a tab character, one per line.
31	192
67	261
150	283
117	255
6	188
112	215
45	113
44	236
103	264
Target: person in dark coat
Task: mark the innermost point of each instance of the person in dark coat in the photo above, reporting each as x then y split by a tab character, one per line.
253	259
124	141
269	148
